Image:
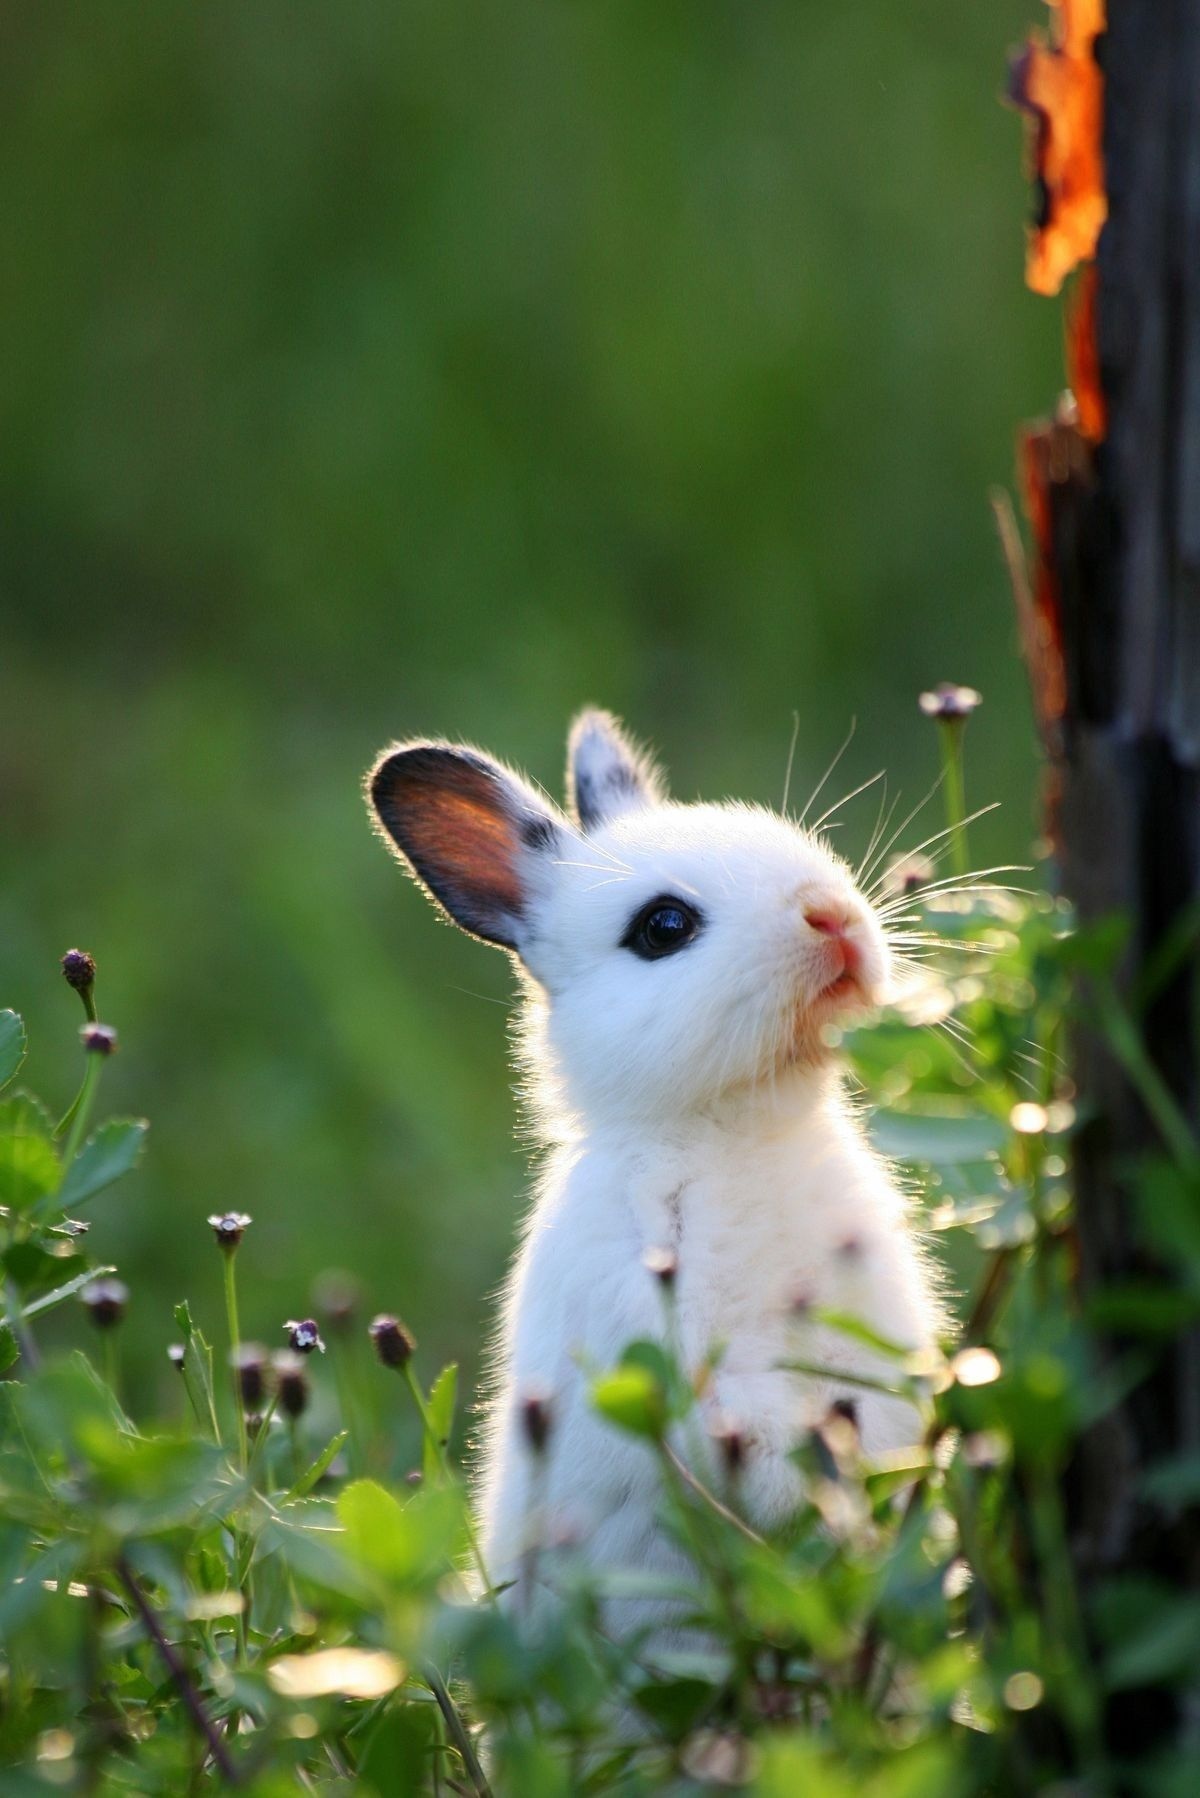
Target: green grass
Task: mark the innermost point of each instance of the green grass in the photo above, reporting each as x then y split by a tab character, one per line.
199	1596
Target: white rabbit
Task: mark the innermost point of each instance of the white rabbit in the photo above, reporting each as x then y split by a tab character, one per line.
683	968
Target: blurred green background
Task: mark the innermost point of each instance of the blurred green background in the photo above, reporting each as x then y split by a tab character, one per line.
396	366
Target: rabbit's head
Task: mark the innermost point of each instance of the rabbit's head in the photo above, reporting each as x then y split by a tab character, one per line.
676	952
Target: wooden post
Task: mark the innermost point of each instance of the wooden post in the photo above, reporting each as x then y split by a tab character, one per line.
1111	625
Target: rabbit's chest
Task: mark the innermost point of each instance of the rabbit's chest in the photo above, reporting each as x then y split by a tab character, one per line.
759	1243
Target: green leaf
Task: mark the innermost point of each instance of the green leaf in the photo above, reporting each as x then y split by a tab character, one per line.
29	1166
197	1371
901	1386
375	1528
536	1769
8	1347
106	1156
633	1399
949	1136
440	1409
313	1472
12	1044
49	1300
399	1751
845	1325
676	1705
407	1544
34	1265
67	1410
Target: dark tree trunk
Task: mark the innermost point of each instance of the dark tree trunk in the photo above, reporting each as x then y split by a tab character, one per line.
1118	523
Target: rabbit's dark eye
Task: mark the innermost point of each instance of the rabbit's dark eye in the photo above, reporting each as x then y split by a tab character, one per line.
661	928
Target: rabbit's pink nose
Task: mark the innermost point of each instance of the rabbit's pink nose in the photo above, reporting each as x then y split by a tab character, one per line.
836	921
828	920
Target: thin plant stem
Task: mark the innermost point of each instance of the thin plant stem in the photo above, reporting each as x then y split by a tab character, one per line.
706	1553
710	1499
235	1343
260	1434
93	1017
457	1731
444	1469
78	1113
242	1568
179	1674
343	1379
950	735
1076	1693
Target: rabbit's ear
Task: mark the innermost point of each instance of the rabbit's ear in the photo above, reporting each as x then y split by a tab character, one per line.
479	839
607	773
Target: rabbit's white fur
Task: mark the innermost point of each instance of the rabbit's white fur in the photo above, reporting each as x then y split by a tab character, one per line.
691	1104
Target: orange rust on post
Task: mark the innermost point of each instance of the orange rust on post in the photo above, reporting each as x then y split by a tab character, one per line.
1060	86
1083	361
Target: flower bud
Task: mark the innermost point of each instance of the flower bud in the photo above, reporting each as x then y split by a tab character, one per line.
304	1337
663	1264
731	1442
229	1227
291	1381
336	1296
839	1432
98	1039
950	701
79	970
249	1364
536	1420
394	1344
907	874
176	1352
105	1301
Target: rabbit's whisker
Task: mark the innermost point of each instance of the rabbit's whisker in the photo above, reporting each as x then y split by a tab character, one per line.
812	798
816	825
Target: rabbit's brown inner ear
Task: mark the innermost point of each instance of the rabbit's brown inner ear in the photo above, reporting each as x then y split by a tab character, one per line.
449	815
469	845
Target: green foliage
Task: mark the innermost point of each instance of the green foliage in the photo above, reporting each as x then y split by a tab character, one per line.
177	1609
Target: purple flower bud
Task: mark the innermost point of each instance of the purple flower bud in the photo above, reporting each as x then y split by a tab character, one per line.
99	1039
908	874
950	701
536	1420
291	1382
175	1355
731	1442
394	1344
105	1301
250	1368
304	1336
79	970
229	1227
